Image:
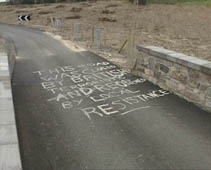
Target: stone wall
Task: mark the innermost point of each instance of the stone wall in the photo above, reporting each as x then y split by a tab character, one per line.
9	144
186	76
12	53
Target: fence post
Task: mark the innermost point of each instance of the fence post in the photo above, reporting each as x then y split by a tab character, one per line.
77	33
52	21
93	35
97	38
131	49
58	24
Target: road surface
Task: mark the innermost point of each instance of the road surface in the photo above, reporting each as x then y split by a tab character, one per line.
75	111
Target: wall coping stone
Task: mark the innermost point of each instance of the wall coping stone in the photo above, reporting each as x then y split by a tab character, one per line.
179	58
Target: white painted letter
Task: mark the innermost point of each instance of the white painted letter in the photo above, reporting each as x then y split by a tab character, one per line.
86	91
48	85
107	110
90	110
67	105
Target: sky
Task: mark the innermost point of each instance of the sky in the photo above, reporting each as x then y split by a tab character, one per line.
2	0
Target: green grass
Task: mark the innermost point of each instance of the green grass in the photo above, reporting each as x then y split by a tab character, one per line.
191	2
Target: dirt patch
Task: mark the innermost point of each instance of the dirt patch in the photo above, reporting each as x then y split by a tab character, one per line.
108	12
44	12
74	9
21	11
106	19
86	5
5	10
111	6
60	6
73	17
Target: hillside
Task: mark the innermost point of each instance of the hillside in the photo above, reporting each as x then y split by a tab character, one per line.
183	28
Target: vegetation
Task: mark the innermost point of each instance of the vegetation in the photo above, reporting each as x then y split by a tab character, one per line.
40	1
140	2
196	2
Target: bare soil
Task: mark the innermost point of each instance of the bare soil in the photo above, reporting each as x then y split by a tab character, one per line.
183	28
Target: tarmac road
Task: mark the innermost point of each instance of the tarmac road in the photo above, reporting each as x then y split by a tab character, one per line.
75	111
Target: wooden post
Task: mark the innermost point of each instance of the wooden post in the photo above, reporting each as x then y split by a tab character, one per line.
123	45
93	35
131	49
52	22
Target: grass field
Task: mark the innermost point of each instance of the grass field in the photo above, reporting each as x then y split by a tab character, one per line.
191	2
